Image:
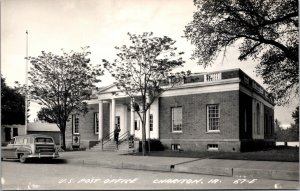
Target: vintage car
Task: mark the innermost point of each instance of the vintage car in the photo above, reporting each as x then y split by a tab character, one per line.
30	146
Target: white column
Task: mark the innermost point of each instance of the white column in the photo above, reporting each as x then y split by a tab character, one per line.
148	121
125	119
113	115
131	118
262	124
254	119
156	119
100	121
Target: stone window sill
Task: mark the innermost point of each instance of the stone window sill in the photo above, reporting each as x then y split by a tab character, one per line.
213	132
176	131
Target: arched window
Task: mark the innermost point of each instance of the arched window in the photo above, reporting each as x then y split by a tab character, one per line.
258	118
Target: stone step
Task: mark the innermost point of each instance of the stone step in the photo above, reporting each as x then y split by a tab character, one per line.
103	149
126	151
111	146
100	150
122	148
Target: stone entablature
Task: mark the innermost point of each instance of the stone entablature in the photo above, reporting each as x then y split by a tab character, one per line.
220	76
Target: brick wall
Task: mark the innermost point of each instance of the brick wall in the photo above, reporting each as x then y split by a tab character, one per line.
194	126
248	143
201	145
245	113
268	123
86	126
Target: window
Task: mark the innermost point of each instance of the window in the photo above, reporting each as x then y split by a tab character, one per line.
7	134
271	125
266	125
75	124
117	125
213	118
136	125
43	140
245	120
12	141
96	122
26	141
19	140
258	119
15	132
151	122
175	147
176	119
212	147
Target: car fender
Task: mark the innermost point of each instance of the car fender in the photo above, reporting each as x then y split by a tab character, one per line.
26	150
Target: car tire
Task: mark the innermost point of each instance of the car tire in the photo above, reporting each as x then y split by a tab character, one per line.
22	158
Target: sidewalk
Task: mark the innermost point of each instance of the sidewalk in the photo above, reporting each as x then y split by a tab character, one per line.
220	167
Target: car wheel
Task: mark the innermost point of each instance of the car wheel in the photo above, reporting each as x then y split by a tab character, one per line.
22	158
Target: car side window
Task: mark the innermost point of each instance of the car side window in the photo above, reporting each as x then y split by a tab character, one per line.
26	141
19	141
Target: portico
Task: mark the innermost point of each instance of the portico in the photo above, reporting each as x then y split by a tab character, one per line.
121	114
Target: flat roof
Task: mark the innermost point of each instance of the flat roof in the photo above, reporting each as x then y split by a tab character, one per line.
42	126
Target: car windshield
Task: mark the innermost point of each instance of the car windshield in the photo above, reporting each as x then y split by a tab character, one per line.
43	140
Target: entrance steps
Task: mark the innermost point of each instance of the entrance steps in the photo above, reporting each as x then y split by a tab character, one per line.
112	146
109	146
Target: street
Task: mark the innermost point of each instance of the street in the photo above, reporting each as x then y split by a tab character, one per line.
58	175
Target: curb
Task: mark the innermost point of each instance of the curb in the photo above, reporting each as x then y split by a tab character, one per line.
218	171
285	175
204	170
266	174
109	164
161	168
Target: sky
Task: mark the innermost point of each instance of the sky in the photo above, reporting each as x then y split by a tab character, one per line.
102	24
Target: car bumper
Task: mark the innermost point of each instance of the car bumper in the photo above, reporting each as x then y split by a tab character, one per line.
40	155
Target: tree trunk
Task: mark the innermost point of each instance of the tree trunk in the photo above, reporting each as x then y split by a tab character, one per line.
63	136
63	140
144	133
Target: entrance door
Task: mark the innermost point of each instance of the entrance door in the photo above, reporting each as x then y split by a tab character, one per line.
118	122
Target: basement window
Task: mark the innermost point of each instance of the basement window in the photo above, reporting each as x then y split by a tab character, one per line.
212	147
175	147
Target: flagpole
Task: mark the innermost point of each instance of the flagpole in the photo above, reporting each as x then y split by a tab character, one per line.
26	82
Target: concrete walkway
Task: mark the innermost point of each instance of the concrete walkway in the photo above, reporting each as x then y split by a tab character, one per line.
220	167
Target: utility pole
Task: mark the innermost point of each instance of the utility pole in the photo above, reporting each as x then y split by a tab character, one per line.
26	82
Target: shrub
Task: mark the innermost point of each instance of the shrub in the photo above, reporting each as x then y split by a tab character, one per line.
155	145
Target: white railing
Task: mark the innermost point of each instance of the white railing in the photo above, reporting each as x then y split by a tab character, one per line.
212	77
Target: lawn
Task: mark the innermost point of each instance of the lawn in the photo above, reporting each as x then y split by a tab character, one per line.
280	153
